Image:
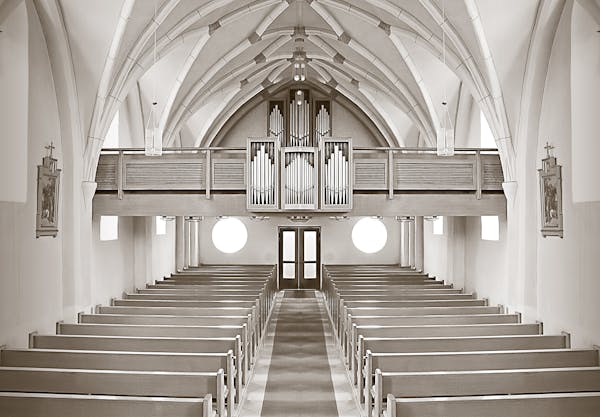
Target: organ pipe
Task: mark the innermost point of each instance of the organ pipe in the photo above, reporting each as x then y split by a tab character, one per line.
336	169
262	181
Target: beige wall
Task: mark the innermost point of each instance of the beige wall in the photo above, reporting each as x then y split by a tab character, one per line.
336	242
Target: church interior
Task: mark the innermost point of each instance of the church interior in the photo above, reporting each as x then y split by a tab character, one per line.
354	208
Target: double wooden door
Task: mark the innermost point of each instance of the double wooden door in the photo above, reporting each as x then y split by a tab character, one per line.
299	257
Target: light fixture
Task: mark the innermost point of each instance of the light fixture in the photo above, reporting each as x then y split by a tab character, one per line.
168	218
339	218
299	219
445	133
430	218
299	67
259	218
153	145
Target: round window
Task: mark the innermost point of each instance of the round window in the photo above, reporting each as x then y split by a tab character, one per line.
369	235
229	235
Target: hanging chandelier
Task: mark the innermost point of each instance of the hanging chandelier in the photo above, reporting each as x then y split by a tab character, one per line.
299	66
445	133
153	145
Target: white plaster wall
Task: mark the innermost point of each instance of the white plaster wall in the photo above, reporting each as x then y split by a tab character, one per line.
336	242
444	255
138	257
568	284
30	268
585	87
485	261
549	279
14	88
112	261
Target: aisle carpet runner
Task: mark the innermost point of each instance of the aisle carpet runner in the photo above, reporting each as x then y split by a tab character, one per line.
299	381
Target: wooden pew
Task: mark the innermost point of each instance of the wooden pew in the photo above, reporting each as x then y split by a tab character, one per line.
111	382
579	404
385	296
200	296
483	382
471	361
449	344
184	303
145	344
18	404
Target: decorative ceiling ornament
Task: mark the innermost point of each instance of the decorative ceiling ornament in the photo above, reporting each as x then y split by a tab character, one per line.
445	133
153	145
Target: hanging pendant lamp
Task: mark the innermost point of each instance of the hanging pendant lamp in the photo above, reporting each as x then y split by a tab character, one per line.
445	133
153	145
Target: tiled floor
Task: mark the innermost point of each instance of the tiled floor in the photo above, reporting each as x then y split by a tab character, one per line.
299	372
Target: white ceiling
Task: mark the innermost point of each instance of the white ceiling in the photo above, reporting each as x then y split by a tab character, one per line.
406	77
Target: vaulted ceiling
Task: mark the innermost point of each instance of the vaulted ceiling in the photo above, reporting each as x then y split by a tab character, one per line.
387	56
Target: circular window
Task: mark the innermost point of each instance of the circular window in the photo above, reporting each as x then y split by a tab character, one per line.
369	235
229	235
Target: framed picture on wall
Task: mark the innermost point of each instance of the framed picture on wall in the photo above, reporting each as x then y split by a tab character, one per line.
48	185
551	196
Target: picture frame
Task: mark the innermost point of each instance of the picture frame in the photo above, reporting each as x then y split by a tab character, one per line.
550	177
48	187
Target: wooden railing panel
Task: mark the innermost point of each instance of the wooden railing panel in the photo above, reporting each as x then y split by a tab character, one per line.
370	173
169	172
427	172
106	174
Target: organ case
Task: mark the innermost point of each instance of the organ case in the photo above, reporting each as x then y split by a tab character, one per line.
336	174
263	176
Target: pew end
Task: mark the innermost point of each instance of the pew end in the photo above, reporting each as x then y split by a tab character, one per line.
390	409
567	337
31	339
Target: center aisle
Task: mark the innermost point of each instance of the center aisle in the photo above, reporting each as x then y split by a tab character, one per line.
305	374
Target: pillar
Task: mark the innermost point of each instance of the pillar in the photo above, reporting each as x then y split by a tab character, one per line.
419	243
179	243
194	242
411	242
404	242
186	242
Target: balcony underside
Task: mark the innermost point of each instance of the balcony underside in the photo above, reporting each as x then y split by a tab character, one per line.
182	203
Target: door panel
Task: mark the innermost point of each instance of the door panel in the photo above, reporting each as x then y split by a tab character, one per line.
299	258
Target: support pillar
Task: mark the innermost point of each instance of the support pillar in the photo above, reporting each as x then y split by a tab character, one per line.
194	239
404	242
179	243
411	242
186	242
419	244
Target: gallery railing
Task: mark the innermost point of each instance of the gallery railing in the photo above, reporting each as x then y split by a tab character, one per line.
343	170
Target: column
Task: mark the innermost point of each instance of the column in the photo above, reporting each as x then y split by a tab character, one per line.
411	242
419	243
194	242
186	242
404	242
179	243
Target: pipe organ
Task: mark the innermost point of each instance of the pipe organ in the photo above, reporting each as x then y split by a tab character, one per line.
315	171
336	178
322	121
262	162
276	121
299	182
300	119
